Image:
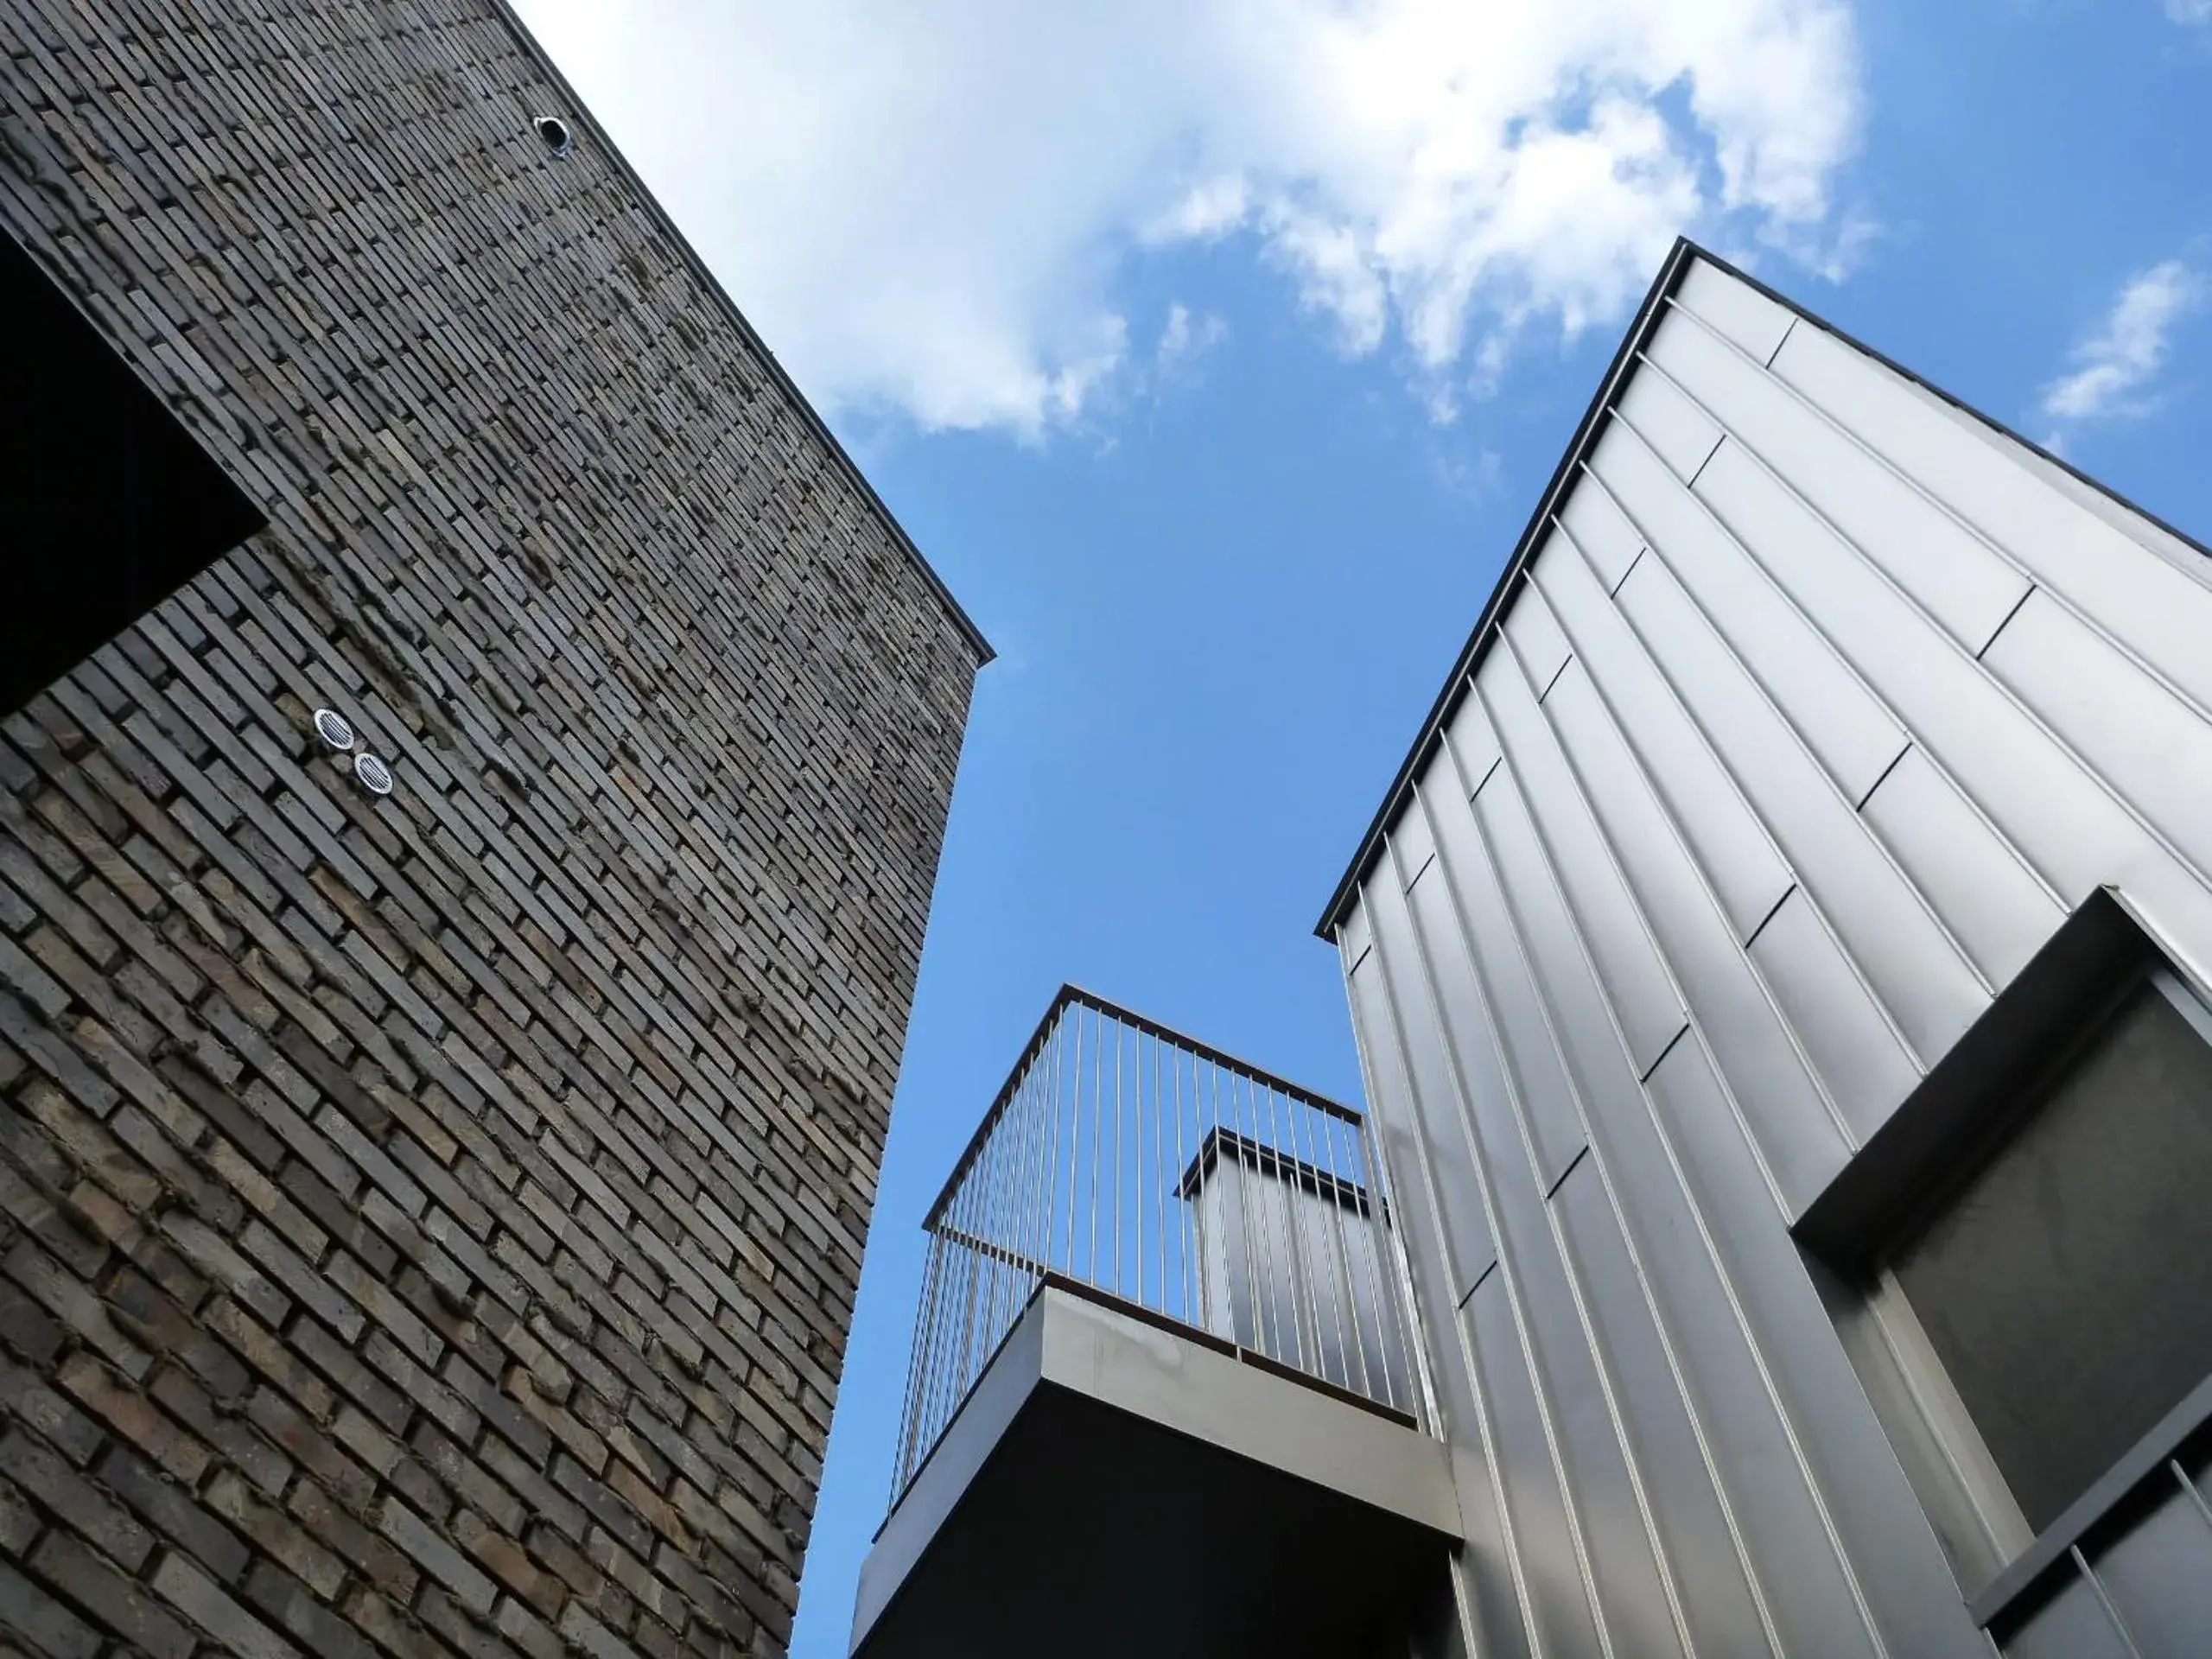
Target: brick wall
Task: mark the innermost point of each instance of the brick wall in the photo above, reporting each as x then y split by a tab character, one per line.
431	1224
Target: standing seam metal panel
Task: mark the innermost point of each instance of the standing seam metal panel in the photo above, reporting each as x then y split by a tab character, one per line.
1816	709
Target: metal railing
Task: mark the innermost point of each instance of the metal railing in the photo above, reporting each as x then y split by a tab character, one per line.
1132	1163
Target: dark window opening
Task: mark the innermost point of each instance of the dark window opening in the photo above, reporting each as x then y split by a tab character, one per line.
110	505
2019	1261
2066	1285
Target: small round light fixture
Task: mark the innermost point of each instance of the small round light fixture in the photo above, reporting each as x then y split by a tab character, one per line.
559	138
373	774
333	728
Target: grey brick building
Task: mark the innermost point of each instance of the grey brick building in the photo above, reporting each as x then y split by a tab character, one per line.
428	1220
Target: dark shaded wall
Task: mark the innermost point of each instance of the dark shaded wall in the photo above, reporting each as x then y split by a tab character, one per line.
430	1223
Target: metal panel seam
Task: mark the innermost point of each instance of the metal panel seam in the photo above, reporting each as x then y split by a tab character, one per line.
1687	1195
1472	653
2011	560
1508	1274
1849	957
1713	898
2065	747
1661	292
1515	1567
1665	1568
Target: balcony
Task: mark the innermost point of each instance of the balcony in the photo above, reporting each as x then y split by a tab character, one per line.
1162	1398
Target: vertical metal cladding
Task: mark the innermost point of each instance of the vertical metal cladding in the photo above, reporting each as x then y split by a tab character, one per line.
1816	705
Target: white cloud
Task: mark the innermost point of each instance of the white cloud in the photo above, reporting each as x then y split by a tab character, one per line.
2190	11
2114	365
1186	339
933	210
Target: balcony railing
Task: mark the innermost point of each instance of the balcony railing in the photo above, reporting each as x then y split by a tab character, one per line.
1132	1164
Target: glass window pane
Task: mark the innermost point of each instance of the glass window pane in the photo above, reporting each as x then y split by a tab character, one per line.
2068	1286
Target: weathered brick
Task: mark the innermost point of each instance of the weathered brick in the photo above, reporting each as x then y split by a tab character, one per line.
192	1593
44	1623
498	1152
121	1603
530	1634
288	1605
435	1555
587	1636
213	1423
28	1328
507	1561
19	1522
398	1633
275	1534
173	1511
384	1566
82	1507
133	1415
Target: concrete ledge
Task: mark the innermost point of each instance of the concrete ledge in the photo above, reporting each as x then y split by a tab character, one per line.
1112	1487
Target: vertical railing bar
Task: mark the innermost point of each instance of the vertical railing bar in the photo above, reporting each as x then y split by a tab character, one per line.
1259	1256
1348	1286
1285	1140
1032	1166
1329	1239
1012	1274
963	1264
1258	1272
1135	1124
1340	1291
1159	1184
1098	1118
1113	1223
1004	1134
913	1365
1392	1341
1032	1177
907	1405
940	1334
1045	1218
972	1188
994	1191
1183	1296
1315	1239
1002	1228
1309	1301
1181	1211
1074	1129
1140	1118
1259	1155
1244	1255
987	1279
927	1367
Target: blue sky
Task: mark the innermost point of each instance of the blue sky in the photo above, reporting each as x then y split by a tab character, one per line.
1216	350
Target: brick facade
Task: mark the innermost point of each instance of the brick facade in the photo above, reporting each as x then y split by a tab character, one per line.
429	1224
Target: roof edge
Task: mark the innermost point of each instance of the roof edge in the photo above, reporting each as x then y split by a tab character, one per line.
1478	642
581	111
1478	645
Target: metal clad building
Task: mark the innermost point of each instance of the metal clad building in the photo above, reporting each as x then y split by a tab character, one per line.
1825	795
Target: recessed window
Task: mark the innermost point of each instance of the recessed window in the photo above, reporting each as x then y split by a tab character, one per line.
2065	1285
110	505
2019	1261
